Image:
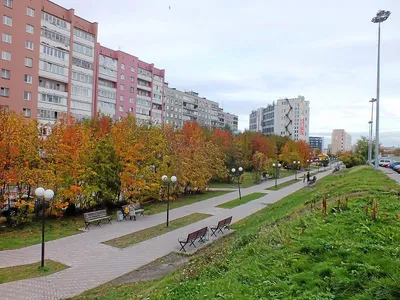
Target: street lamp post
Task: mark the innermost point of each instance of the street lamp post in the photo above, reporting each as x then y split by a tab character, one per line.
166	181
370	131
44	196
276	167
381	16
296	164
318	164
237	173
309	165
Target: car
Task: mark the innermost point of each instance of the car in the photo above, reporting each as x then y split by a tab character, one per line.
384	161
393	164
397	169
386	165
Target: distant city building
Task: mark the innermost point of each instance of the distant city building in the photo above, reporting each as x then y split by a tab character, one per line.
286	117
189	106
316	142
341	141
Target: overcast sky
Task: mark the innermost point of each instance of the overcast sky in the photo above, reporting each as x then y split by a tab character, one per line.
245	54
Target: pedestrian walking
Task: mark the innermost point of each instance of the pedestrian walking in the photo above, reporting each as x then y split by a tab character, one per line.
304	178
308	176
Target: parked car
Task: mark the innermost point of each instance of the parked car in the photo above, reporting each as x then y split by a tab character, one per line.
397	169
386	165
384	161
393	164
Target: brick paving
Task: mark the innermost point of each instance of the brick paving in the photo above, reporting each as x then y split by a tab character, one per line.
93	263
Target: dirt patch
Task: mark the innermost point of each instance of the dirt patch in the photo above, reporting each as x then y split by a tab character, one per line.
154	270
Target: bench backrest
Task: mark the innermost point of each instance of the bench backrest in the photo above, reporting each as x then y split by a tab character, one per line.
95	215
228	221
202	232
191	237
224	222
136	205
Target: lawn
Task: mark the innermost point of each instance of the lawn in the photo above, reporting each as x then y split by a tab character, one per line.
283	185
30	271
244	200
248	181
157	207
148	233
31	233
287	251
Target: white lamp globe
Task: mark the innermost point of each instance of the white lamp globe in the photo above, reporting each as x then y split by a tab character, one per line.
298	162
233	170
48	194
240	169
164	178
274	165
279	165
39	192
173	179
294	161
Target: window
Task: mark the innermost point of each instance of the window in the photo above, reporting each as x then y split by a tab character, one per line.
6	55
122	66
82	63
52	85
131	100
27	96
131	109
83	49
52	68
107	94
28	62
27	112
121	97
6	38
30	12
81	91
132	79
106	83
122	76
54	20
84	35
55	36
81	105
29	29
122	87
5	74
121	108
132	89
52	52
8	3
28	79
4	92
7	21
132	70
29	45
47	114
82	77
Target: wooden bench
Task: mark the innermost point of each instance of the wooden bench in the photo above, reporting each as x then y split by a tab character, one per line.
96	217
223	224
133	210
192	238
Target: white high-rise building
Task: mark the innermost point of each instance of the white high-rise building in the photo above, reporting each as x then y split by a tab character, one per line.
288	117
341	141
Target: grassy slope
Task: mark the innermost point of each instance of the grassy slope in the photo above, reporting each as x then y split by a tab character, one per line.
244	200
30	271
344	256
31	233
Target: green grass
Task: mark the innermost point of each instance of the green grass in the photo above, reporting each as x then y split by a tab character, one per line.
157	207
31	233
148	233
286	251
283	185
244	200
248	181
30	271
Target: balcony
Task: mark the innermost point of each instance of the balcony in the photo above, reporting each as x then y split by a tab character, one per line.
138	96
157	101
45	90
53	76
108	77
143	87
144	77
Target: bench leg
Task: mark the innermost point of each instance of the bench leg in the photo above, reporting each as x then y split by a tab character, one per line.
109	221
192	244
214	232
98	223
182	246
87	225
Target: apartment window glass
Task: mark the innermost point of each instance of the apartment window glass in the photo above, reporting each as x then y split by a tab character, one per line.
82	63
132	70
54	20
82	77
28	62
132	89
123	66
55	36
6	55
52	68
29	29
8	3
84	35
121	108
121	97
4	92
27	96
132	79
131	109
30	12
7	20
47	114
122	87
131	100
28	79
6	38
88	51
29	45
81	91
27	112
52	52
122	76
5	74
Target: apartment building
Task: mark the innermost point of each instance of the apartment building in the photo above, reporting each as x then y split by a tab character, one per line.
52	64
189	106
316	142
231	120
341	141
47	60
286	117
126	84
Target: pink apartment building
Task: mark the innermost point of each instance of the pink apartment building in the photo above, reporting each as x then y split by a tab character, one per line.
51	64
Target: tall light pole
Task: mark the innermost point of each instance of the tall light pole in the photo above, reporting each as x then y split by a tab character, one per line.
276	167
370	131
381	16
44	196
167	182
295	165
237	173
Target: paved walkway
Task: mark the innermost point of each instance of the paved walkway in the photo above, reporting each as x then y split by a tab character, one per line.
391	174
93	263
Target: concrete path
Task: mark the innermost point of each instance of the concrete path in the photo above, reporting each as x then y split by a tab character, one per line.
93	263
391	174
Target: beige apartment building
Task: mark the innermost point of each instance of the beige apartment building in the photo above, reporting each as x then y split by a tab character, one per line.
341	141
